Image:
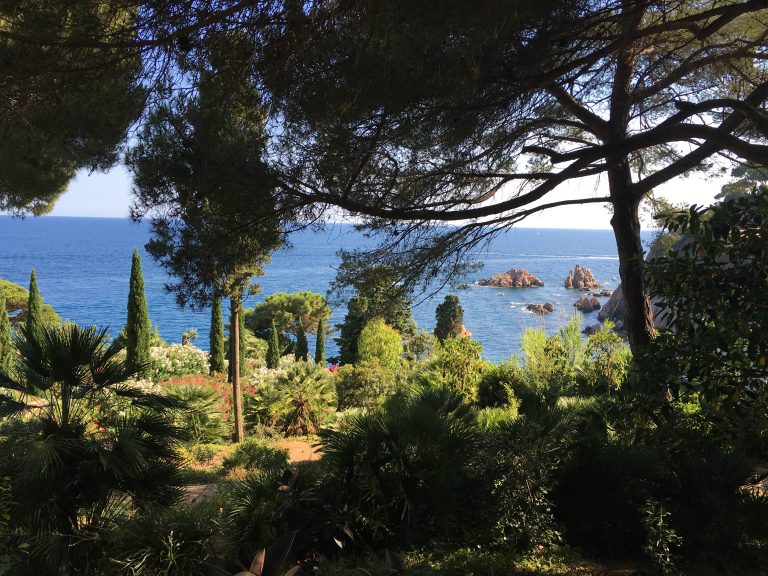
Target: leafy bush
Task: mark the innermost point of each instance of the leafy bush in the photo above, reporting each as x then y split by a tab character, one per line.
399	466
255	454
379	341
455	362
201	419
174	542
607	360
363	385
496	386
514	471
175	361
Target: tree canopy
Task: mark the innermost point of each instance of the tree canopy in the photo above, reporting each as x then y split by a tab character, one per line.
290	312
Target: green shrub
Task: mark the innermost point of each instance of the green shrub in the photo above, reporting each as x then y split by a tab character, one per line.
455	362
254	454
301	399
363	385
201	418
400	467
174	542
379	341
496	386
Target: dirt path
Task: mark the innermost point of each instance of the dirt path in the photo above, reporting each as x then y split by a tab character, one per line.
300	450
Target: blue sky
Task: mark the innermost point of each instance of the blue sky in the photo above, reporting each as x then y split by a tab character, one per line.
109	195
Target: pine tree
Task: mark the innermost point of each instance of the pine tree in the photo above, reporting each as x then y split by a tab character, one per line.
217	354
302	347
241	331
320	343
6	343
35	322
450	318
138	328
273	348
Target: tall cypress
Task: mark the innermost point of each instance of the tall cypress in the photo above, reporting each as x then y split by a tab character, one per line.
302	347
138	329
35	323
217	355
320	343
6	343
273	348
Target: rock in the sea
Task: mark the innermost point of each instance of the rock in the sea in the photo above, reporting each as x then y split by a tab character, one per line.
606	293
587	304
591	329
512	278
465	332
581	278
540	308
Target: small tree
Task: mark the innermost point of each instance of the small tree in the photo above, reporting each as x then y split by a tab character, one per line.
302	348
217	338
450	318
320	343
273	349
381	342
35	322
6	343
138	328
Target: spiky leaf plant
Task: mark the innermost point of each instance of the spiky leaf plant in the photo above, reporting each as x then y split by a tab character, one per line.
86	445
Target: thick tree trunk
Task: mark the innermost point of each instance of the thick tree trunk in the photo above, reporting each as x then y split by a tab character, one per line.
638	320
234	359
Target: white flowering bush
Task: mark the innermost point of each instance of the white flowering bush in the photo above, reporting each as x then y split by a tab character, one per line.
176	360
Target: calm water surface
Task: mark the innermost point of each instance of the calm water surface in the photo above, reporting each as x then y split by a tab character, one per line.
83	266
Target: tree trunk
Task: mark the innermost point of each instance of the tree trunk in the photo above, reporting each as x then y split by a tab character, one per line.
638	321
234	359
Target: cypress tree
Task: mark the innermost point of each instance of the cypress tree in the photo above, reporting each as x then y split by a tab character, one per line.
302	347
320	343
217	354
35	323
273	348
138	329
6	343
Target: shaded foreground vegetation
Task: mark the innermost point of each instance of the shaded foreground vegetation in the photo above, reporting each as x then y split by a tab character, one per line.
417	456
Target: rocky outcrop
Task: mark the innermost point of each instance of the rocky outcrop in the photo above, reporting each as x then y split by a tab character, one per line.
546	308
587	304
465	332
581	278
590	329
512	278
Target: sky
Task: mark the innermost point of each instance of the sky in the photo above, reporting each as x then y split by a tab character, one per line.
109	195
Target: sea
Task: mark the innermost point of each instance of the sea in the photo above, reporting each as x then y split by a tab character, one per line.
83	267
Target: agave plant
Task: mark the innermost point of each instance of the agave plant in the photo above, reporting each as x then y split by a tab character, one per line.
75	462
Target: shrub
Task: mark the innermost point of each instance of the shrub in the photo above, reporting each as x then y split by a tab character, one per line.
363	385
457	363
174	542
72	460
379	341
175	361
399	466
496	386
255	454
300	399
202	418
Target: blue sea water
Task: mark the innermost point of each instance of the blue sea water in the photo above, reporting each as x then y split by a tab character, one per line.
83	266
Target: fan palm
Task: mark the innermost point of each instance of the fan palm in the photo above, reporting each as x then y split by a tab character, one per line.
86	444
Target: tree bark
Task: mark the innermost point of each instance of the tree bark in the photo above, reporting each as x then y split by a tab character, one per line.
235	304
638	320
